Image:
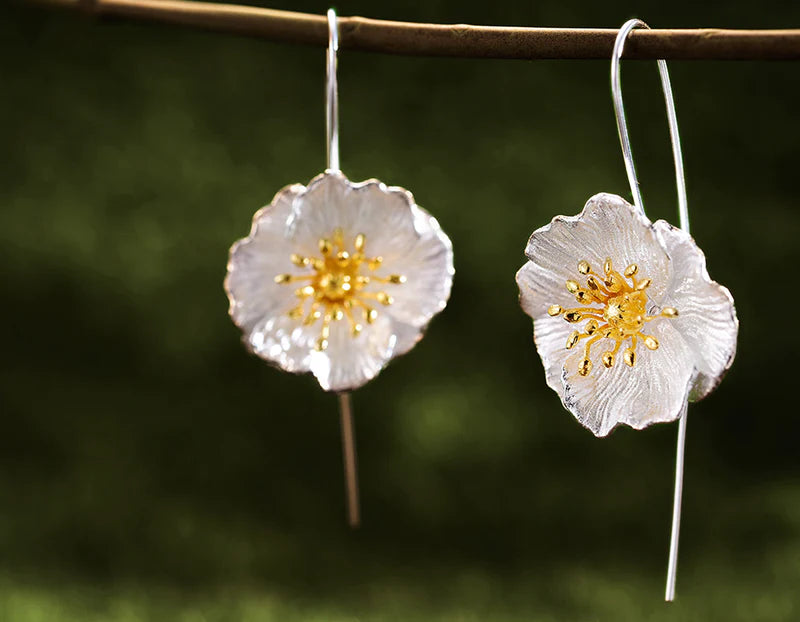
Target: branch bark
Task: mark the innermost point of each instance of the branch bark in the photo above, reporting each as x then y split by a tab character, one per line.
455	40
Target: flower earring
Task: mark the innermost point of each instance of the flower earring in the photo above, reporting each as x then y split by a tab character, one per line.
650	331
337	278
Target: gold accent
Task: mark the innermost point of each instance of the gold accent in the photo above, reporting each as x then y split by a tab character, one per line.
629	356
554	310
573	338
651	343
335	286
621	316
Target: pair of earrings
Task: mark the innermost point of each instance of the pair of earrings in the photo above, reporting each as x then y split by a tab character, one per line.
337	278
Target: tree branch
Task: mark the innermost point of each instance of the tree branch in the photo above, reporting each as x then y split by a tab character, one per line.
457	40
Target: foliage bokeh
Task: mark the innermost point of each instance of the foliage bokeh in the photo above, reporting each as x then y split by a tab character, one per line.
151	469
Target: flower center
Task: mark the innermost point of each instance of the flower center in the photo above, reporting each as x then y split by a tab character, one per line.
621	317
336	286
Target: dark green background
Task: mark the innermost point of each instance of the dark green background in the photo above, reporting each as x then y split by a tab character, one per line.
150	469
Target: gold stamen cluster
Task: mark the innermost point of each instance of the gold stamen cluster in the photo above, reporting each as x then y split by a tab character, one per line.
336	286
622	316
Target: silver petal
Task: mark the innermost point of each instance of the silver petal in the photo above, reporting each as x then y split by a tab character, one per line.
408	239
652	391
707	316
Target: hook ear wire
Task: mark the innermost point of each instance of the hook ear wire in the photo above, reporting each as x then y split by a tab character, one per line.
622	125
683	212
332	94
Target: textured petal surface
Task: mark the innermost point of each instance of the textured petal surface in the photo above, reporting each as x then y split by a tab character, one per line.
350	362
653	391
550	335
409	241
656	387
255	261
707	317
426	260
608	226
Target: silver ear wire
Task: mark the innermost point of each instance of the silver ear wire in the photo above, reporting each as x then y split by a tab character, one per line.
622	125
332	151
683	213
332	94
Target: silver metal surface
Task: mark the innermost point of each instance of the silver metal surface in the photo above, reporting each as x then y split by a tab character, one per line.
622	125
683	211
332	94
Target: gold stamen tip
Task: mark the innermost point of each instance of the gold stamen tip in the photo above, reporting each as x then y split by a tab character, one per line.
374	262
629	357
611	281
361	240
581	296
651	343
325	246
608	266
362	280
585	367
372	315
346	287
554	310
572	286
669	312
631	270
299	260
584	267
397	279
322	344
608	360
644	284
343	258
305	292
573	338
591	326
572	317
296	313
312	317
357	328
592	283
338	315
283	278
384	298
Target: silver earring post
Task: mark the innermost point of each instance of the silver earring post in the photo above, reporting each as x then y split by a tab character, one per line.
683	212
332	94
332	151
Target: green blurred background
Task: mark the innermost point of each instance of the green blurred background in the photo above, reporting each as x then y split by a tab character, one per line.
151	469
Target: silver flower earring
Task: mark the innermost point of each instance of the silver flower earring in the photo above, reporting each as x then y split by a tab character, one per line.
337	278
650	331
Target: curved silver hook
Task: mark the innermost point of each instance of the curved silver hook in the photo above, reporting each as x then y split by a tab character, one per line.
622	125
332	94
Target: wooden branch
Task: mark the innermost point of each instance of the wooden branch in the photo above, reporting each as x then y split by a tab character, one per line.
457	40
